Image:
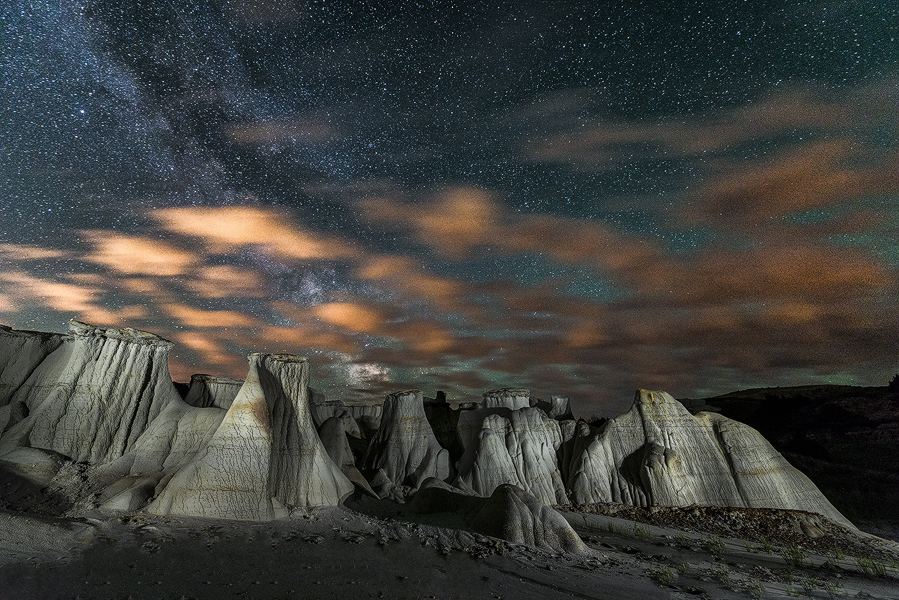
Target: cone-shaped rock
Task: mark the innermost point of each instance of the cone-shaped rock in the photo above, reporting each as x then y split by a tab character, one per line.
514	515
404	446
93	395
658	454
264	456
519	449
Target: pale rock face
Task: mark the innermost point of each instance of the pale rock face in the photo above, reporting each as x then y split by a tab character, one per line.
264	456
658	454
333	434
519	517
495	402
20	353
763	476
209	391
520	449
368	416
93	395
404	446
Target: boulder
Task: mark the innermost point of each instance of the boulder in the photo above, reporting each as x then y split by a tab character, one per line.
264	457
404	446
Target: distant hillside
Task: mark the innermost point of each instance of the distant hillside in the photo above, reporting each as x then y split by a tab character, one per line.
845	438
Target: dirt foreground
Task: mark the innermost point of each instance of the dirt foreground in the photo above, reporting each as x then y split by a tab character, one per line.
380	549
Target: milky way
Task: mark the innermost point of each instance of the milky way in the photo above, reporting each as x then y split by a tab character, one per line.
574	199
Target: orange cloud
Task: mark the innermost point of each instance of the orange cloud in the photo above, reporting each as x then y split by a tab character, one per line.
459	220
195	317
137	255
25	252
812	176
405	275
226	281
228	228
351	316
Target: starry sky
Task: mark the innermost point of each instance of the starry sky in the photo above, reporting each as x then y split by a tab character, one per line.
581	198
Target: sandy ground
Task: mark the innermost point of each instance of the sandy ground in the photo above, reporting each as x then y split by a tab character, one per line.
389	552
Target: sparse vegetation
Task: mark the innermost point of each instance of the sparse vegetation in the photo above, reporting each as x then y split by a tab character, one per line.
768	546
755	588
682	568
793	555
714	545
871	567
721	573
662	574
642	532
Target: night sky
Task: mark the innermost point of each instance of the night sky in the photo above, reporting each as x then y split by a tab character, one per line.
462	196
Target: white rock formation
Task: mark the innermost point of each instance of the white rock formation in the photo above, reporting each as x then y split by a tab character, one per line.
495	402
404	446
658	454
521	449
20	353
333	434
93	395
514	515
209	391
265	455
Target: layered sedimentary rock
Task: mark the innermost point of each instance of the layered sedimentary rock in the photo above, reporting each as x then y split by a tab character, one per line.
404	446
93	395
519	448
209	391
658	454
265	455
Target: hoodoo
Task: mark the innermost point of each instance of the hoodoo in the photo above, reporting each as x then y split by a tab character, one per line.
404	446
519	449
93	395
264	457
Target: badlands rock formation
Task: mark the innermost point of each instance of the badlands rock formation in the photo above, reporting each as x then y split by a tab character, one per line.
264	456
91	397
94	416
658	454
404	446
521	449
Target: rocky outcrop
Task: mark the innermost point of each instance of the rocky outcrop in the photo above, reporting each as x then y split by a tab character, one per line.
514	515
521	449
20	353
264	457
208	391
658	454
404	446
91	397
333	434
495	402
